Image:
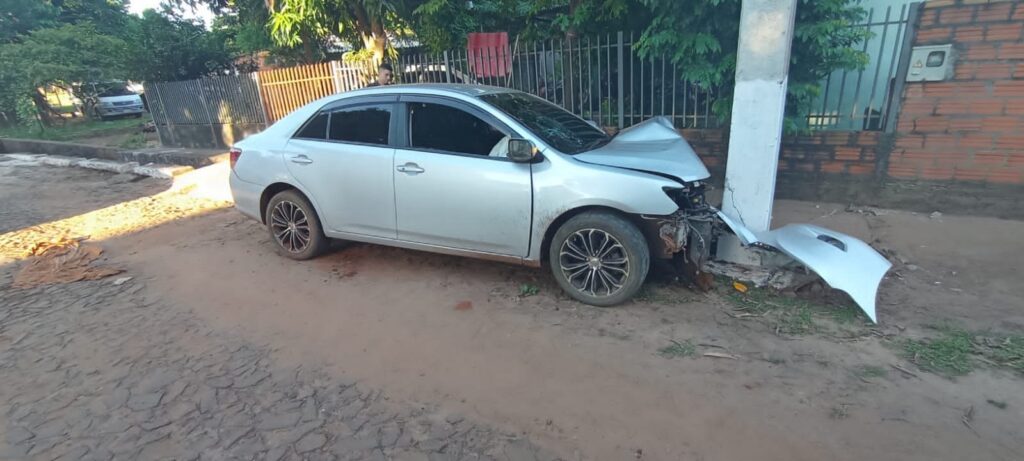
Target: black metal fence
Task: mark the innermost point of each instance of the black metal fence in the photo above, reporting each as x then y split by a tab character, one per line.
601	78
862	99
604	79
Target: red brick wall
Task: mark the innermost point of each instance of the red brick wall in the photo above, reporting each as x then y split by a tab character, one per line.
831	152
970	128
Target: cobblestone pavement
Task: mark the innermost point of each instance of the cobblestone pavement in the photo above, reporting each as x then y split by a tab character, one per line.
94	370
98	371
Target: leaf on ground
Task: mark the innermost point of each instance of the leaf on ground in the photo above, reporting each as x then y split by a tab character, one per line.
739	287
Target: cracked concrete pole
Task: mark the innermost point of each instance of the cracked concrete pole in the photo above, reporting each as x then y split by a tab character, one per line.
759	102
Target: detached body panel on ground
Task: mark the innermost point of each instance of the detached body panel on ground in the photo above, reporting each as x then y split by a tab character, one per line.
429	167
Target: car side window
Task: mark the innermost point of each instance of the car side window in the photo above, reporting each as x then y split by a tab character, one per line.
315	128
441	127
363	124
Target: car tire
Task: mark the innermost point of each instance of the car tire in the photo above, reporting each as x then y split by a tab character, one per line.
599	258
294	227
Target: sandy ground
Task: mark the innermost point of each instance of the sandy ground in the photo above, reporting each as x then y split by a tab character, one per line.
589	383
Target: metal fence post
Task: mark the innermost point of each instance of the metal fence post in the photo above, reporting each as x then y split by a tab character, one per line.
202	100
621	103
167	116
896	98
156	124
447	68
336	74
259	94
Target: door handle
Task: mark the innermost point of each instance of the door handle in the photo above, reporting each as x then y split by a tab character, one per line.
301	159
410	168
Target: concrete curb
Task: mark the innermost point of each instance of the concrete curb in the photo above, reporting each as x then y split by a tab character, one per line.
153	170
163	156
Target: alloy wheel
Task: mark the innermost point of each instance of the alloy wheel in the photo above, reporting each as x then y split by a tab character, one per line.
594	262
290	226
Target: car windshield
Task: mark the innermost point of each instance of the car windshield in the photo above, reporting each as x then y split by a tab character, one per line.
115	91
558	127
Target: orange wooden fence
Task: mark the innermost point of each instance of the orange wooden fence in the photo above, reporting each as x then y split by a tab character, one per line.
285	90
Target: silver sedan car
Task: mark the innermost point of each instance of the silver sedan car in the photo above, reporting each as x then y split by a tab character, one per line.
483	172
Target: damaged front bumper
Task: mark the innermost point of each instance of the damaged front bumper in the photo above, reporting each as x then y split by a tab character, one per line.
844	262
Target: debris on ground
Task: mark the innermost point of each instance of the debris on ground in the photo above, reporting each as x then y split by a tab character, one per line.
464	305
967	417
70	261
739	286
121	280
721	355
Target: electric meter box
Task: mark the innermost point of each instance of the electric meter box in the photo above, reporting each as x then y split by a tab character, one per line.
931	63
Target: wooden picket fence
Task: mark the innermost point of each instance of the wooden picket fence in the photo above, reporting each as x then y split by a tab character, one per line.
285	90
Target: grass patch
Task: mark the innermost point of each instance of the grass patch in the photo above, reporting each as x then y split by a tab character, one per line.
528	289
956	352
871	371
949	354
839	412
1005	351
678	349
73	129
133	141
789	315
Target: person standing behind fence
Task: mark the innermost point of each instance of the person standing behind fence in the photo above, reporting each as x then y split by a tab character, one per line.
384	75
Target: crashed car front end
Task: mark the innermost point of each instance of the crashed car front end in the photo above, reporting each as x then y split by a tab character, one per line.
655	147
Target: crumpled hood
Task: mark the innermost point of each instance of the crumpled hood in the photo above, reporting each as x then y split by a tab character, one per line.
653	146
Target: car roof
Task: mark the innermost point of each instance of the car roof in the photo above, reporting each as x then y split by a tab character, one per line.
432	88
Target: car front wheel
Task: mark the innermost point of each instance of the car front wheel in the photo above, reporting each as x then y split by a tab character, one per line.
294	226
599	258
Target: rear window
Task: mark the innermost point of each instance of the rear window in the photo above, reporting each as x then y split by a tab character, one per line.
316	128
364	124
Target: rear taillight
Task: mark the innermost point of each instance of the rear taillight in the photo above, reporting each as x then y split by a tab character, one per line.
233	156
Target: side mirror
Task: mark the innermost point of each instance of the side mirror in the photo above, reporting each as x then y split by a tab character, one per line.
521	151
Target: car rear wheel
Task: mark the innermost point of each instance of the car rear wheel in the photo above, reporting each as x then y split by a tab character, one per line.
599	258
294	226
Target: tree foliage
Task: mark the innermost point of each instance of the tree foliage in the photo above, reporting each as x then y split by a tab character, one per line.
362	23
700	38
63	56
74	43
164	48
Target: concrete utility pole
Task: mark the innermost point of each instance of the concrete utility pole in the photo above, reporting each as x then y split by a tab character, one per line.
759	102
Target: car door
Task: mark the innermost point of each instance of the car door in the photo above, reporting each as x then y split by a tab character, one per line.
343	158
453	186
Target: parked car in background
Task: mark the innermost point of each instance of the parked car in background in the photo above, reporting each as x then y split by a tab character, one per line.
115	100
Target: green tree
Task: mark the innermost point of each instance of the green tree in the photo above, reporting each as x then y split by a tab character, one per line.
362	23
19	17
700	38
63	56
164	47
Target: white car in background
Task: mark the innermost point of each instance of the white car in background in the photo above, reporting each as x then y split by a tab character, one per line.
117	100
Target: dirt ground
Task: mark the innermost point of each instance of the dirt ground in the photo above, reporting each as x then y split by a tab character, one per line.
501	344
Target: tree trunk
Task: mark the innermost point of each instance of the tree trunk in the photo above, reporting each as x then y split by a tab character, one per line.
307	47
43	108
377	45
